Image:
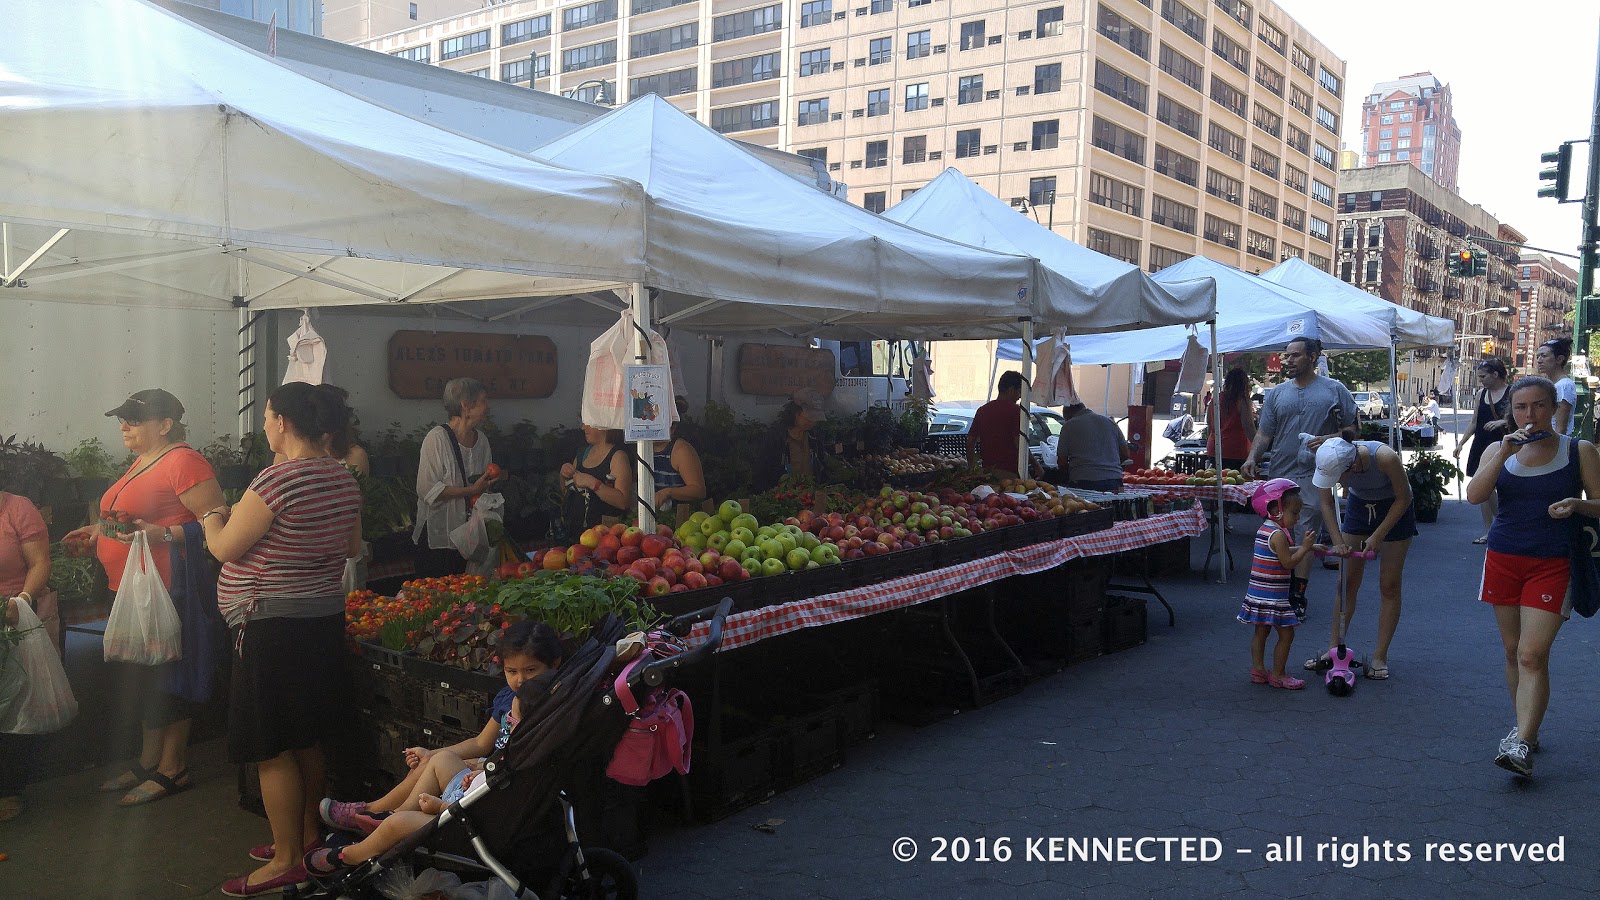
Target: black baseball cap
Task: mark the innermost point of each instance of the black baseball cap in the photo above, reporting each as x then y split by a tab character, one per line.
143	406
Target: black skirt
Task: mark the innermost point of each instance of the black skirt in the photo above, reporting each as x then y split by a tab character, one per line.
289	687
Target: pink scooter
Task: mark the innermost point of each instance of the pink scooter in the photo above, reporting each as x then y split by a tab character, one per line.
1341	663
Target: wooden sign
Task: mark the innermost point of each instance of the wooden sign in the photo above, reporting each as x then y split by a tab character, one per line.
512	366
772	370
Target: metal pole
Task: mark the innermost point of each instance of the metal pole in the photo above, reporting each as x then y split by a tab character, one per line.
1220	523
1586	266
1394	395
644	476
1027	396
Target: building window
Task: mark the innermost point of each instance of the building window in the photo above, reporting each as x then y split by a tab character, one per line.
1110	81
747	70
874	201
969	143
595	13
1263	204
747	23
816	12
587	57
1406	131
1299	99
1176	166
1386	145
972	34
516	71
1321	230
416	54
1123	32
1321	193
1269	78
1383	157
525	30
664	40
1374	235
1046	134
1231	98
1258	244
1299	140
1318	261
1324	157
877	154
1403	145
411	11
878	103
667	84
1328	80
1301	59
1188	21
1048	22
1267	120
1042	191
1224	186
1264	162
1294	217
1347	237
1327	119
1372	268
1162	257
1225	141
1271	35
882	6
1177	115
644	6
464	45
815	62
1172	214
1238	9
969	89
918	44
745	118
1386	133
1221	231
1403	156
1180	67
1386	120
914	149
1295	178
813	112
1113	137
916	96
880	51
1230	50
1047	78
1115	246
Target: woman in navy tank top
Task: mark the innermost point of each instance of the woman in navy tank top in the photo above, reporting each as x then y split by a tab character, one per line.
1539	476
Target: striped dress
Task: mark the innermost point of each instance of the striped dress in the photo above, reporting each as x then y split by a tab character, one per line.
315	504
1266	600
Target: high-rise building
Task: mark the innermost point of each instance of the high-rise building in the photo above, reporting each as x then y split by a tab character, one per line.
1150	130
1547	293
1411	120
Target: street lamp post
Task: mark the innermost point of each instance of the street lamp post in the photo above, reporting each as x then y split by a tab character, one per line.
602	97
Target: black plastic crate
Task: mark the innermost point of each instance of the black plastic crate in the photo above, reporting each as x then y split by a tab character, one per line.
810	746
1085	580
739	774
1086	522
987	543
382	688
1015	537
827	579
1126	622
857	708
1085	636
435	736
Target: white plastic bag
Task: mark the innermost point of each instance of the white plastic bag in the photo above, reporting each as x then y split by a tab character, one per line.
605	397
143	627
45	702
1192	370
355	570
471	538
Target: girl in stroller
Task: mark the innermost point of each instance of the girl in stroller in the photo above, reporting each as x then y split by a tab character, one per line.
438	778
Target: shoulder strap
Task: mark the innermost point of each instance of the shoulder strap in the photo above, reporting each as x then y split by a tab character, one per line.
455	447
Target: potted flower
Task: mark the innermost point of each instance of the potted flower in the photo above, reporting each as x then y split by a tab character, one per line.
1430	475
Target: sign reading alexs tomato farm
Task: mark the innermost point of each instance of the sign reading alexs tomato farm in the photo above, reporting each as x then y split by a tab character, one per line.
512	366
773	370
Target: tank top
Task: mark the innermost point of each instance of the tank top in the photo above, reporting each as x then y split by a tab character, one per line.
1269	580
584	508
1373	484
1234	443
1523	526
666	476
1489	412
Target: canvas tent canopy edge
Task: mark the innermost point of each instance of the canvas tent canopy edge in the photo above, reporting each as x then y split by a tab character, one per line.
1410	328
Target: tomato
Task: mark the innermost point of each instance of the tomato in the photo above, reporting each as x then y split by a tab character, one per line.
493	472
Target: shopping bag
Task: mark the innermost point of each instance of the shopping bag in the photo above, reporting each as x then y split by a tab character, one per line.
605	397
1585	582
44	702
471	538
1192	369
355	571
143	627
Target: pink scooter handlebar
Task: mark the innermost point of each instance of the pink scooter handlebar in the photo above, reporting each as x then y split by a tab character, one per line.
1353	554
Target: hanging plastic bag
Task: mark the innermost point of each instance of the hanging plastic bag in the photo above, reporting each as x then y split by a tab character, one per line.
44	702
143	627
605	397
1055	384
471	538
1192	374
355	570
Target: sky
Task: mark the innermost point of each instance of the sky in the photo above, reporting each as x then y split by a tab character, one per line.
1522	76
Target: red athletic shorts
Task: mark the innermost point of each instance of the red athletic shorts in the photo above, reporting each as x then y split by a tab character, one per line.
1510	580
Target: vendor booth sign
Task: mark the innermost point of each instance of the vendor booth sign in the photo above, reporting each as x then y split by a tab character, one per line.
773	370
649	403
511	366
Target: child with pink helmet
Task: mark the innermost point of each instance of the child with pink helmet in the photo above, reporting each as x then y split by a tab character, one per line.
1275	598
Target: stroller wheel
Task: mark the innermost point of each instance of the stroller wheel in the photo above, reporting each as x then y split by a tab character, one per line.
609	877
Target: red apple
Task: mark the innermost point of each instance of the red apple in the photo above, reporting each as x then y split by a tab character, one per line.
694	565
678	589
730	570
694	580
710	560
652	545
628	555
834	533
631	536
659	586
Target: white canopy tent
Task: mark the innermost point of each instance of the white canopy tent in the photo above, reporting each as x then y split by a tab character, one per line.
1408	327
1083	292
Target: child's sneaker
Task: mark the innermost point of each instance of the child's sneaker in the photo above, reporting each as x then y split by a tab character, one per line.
327	860
1287	682
350	816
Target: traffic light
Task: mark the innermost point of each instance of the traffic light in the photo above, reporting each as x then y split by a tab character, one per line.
1556	179
1459	264
1488	348
1480	263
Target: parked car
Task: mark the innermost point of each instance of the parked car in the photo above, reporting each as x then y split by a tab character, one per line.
946	423
1371	404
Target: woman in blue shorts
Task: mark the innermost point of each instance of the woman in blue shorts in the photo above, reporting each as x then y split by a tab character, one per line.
1377	516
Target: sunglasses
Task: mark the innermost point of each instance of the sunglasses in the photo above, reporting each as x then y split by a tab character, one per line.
131	422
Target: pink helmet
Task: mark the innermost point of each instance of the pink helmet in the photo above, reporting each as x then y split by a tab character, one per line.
1270	491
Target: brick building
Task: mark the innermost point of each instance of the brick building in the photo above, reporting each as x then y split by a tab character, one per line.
1547	294
1411	120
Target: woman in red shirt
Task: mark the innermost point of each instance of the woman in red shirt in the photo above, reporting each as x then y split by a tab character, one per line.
168	485
283	548
1237	420
24	575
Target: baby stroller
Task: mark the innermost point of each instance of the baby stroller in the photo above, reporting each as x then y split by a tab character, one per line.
519	823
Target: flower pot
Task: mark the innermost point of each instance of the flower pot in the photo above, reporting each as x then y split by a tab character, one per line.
1428	514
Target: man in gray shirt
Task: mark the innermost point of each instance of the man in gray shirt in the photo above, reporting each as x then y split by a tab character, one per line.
1092	450
1308	404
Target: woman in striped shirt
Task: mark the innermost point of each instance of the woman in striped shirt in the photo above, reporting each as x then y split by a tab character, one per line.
283	548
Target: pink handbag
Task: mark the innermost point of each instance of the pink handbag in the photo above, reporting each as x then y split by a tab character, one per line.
659	735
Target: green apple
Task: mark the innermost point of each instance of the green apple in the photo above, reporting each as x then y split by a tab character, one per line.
773	567
745	520
813	564
695	541
752	557
744	535
717	541
729	510
751	565
734	547
698	517
712	525
795	530
765	532
788	541
810	541
825	554
797	558
773	549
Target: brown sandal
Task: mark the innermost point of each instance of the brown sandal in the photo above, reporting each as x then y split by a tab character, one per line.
127	781
165	787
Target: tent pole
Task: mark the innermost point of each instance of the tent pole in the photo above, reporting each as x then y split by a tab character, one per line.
247	363
1027	396
644	475
1220	523
1394	395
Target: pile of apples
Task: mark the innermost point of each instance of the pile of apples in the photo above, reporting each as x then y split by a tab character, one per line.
1165	477
657	561
761	550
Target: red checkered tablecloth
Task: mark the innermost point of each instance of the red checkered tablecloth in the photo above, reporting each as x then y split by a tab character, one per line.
742	629
1233	493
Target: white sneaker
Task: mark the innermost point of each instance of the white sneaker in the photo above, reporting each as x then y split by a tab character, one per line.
1513	737
1514	758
